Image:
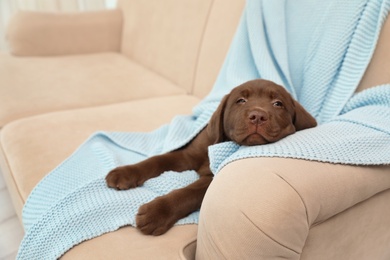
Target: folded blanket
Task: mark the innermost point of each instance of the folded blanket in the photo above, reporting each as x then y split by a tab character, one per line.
318	50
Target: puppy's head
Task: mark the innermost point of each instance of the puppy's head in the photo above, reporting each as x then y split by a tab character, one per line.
257	112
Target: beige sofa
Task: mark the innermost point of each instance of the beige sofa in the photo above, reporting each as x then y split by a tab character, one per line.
133	69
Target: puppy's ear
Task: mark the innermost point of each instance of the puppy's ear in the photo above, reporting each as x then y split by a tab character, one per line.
302	119
215	129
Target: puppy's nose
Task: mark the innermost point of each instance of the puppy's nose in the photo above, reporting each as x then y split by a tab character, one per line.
258	117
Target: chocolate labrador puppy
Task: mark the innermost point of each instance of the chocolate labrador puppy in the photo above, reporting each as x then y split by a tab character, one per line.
254	113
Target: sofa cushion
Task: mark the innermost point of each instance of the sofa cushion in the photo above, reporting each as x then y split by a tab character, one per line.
52	33
221	26
165	36
43	85
34	146
129	243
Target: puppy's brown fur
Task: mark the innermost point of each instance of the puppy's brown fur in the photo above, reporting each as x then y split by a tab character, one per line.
256	112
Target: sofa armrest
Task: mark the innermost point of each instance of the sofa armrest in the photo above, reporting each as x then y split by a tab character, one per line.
267	206
44	34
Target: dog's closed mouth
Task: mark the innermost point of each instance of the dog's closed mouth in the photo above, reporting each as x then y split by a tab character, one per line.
255	138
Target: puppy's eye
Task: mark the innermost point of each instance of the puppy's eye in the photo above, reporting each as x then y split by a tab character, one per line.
278	104
241	101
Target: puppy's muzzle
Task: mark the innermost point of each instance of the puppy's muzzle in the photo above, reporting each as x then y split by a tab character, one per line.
258	116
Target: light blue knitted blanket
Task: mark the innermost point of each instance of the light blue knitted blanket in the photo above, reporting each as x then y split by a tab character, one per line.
318	50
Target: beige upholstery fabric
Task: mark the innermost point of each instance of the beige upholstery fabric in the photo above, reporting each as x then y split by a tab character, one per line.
378	71
34	146
283	200
221	26
129	243
41	34
74	81
167	42
359	233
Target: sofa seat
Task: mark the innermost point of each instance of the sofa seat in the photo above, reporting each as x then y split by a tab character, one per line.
95	79
128	243
34	146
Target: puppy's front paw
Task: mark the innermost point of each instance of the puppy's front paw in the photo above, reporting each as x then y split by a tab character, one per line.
156	217
123	178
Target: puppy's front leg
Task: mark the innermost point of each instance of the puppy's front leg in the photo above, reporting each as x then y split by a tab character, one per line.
159	215
131	176
189	157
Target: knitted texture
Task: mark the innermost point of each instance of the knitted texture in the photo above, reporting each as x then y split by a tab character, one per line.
318	50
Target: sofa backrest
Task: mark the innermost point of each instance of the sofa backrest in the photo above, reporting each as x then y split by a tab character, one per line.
183	40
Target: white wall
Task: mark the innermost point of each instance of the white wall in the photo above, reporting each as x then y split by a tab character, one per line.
9	7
